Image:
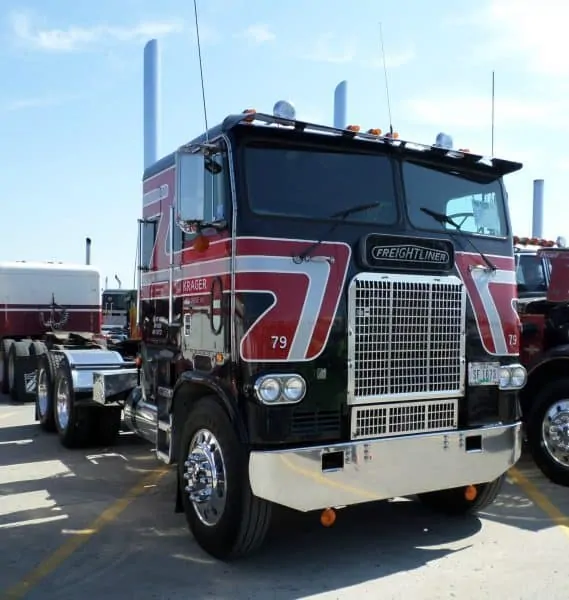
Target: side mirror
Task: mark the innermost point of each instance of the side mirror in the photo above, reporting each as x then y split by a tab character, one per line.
190	187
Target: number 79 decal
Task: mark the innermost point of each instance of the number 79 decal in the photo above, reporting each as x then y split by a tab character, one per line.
492	295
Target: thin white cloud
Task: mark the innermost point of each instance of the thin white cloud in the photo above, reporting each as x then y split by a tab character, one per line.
532	32
393	60
36	102
74	37
329	48
257	34
473	112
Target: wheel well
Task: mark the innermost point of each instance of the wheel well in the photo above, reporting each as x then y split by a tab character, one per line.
555	368
185	396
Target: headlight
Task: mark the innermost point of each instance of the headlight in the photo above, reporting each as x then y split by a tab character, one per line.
277	389
294	388
504	377
269	390
512	377
518	377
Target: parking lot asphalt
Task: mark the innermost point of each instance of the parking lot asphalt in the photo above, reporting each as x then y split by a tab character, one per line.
101	524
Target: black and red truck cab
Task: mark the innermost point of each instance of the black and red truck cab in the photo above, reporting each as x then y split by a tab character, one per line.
327	318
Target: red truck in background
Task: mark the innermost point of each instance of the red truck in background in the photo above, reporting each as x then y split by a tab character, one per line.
542	273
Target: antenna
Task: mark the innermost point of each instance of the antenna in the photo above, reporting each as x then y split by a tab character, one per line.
385	77
493	102
201	68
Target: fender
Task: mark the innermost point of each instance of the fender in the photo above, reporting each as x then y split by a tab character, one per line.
227	399
557	352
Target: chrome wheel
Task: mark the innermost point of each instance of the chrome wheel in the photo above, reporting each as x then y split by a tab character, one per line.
62	403
555	432
43	391
205	477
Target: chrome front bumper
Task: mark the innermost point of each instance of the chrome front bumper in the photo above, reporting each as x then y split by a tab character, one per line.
327	476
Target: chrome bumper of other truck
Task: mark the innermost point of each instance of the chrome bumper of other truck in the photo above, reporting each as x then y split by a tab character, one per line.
113	384
84	364
361	471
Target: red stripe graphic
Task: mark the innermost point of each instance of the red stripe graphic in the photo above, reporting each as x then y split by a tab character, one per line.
492	296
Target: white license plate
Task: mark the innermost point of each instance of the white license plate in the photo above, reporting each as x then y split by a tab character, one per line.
483	373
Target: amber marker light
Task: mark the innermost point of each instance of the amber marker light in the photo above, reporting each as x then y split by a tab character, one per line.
328	517
470	493
201	243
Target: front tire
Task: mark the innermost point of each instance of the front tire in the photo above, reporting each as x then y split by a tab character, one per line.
548	431
224	516
453	501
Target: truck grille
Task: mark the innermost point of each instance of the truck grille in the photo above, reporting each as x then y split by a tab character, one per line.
406	338
402	418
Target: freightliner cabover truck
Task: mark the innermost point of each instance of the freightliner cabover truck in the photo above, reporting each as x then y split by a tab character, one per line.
43	305
327	318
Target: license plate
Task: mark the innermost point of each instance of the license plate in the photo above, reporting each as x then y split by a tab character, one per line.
483	373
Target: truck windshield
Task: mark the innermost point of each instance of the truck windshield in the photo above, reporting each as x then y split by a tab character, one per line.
477	207
314	184
530	273
114	301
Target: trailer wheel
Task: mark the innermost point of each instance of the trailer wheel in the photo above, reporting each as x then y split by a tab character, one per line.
225	518
16	349
453	501
548	430
6	344
45	376
71	421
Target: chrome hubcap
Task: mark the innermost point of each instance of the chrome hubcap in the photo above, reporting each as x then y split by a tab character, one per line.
62	403
555	432
205	477
42	393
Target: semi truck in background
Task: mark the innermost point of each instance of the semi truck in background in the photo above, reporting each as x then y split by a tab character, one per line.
117	304
542	270
313	335
43	305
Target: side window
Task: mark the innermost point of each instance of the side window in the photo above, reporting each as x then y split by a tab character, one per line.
217	184
148	232
478	213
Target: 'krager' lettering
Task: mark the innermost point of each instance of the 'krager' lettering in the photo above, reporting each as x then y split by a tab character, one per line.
409	254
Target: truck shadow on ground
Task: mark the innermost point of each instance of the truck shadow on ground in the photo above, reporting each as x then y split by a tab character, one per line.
149	541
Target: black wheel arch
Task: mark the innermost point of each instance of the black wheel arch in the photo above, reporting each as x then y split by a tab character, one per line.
552	365
190	387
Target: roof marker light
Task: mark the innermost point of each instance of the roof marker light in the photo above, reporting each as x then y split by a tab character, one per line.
284	110
444	140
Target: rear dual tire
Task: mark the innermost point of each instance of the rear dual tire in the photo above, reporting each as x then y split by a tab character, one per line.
77	426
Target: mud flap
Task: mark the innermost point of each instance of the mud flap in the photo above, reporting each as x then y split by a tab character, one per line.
178	508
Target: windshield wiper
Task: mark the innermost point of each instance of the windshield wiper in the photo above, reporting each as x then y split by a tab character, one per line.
340	215
442	219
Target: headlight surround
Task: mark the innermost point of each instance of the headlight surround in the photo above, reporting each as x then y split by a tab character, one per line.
277	389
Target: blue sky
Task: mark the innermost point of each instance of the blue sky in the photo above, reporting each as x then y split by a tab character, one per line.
71	112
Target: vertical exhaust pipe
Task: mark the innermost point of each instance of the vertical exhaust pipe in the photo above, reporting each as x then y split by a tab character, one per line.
537	220
341	105
151	99
88	251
